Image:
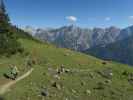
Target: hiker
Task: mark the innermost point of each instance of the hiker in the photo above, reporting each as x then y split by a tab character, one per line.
14	71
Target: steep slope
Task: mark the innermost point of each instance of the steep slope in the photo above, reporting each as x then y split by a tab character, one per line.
61	74
121	51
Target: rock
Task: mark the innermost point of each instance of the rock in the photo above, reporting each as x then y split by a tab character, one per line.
106	73
66	99
66	54
44	92
67	70
74	91
88	92
108	81
57	70
61	69
56	85
57	77
50	69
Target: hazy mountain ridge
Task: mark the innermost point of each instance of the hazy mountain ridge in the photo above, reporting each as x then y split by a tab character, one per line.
125	33
121	50
77	38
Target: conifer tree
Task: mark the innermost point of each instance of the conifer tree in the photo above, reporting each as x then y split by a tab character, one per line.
8	40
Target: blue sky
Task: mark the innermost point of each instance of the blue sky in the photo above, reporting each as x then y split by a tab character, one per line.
84	13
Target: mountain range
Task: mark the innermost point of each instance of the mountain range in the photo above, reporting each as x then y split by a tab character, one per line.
77	38
107	43
121	50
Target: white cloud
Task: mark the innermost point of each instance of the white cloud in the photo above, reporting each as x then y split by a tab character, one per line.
71	18
130	17
107	18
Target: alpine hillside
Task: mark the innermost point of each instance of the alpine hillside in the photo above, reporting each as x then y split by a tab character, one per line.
42	71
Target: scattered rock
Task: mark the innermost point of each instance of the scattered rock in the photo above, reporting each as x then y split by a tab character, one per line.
74	91
106	73
57	77
88	92
56	85
67	70
62	70
66	54
50	69
66	99
44	92
108	81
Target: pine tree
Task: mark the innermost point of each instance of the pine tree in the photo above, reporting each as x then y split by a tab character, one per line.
8	39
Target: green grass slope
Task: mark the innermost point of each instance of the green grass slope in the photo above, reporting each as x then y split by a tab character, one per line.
86	77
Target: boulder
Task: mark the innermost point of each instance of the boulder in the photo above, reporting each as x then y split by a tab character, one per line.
44	92
57	77
67	70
